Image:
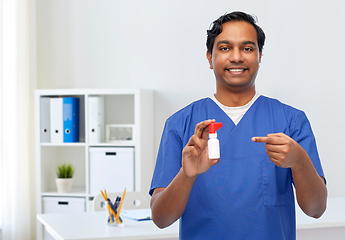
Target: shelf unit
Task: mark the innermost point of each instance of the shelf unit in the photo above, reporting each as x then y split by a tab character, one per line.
121	106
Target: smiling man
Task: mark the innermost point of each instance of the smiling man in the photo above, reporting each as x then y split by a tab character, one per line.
235	59
266	148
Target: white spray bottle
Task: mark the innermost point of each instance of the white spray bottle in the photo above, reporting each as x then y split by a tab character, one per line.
213	142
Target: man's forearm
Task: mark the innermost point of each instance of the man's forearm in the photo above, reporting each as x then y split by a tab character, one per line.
311	191
168	204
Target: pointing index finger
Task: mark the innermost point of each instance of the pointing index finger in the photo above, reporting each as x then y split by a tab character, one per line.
261	139
272	138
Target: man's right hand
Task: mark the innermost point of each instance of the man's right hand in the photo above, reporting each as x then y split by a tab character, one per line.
168	204
195	154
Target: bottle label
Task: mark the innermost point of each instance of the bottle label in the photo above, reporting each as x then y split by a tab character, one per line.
213	149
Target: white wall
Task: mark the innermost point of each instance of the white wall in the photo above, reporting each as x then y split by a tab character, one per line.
160	45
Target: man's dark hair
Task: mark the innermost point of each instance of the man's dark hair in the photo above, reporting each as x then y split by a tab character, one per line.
217	27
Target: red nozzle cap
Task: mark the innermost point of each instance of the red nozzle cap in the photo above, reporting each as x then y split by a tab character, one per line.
213	127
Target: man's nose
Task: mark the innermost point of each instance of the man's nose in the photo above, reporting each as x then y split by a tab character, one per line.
236	55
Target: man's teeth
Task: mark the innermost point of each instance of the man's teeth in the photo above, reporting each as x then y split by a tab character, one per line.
236	70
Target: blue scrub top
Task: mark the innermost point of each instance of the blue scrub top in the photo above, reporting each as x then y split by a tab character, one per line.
245	196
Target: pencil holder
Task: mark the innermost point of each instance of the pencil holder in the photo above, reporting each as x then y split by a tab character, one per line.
114	209
111	211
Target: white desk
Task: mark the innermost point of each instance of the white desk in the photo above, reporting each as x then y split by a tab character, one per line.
92	226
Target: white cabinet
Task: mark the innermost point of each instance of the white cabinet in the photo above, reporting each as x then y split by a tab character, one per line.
63	204
130	110
111	168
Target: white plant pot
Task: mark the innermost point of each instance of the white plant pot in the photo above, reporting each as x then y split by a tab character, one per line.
64	185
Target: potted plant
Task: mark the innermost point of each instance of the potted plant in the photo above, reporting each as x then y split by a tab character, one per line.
64	178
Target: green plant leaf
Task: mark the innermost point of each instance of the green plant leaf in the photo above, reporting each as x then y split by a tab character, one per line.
65	171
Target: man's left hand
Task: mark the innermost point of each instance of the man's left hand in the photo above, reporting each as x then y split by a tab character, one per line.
281	149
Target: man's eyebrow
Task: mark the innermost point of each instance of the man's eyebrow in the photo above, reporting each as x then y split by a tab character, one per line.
228	42
223	42
249	42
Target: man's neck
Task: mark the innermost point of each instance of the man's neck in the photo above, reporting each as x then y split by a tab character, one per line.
234	99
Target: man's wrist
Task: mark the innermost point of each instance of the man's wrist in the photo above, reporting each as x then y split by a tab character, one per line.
301	162
185	175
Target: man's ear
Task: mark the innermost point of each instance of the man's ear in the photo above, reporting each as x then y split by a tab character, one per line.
209	58
260	55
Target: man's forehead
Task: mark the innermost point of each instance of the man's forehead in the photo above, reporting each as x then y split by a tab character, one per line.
237	30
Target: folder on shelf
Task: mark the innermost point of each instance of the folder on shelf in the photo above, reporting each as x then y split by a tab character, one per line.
56	120
70	119
96	119
45	119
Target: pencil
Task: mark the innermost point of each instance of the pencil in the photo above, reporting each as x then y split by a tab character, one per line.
117	217
111	219
105	196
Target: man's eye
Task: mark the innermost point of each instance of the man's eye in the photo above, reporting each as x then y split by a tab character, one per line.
224	48
248	49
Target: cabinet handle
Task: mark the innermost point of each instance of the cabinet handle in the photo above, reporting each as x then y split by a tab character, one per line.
110	153
63	203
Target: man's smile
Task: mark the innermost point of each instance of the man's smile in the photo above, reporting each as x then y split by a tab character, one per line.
236	70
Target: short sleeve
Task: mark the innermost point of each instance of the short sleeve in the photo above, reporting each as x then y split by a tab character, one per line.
169	157
302	133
